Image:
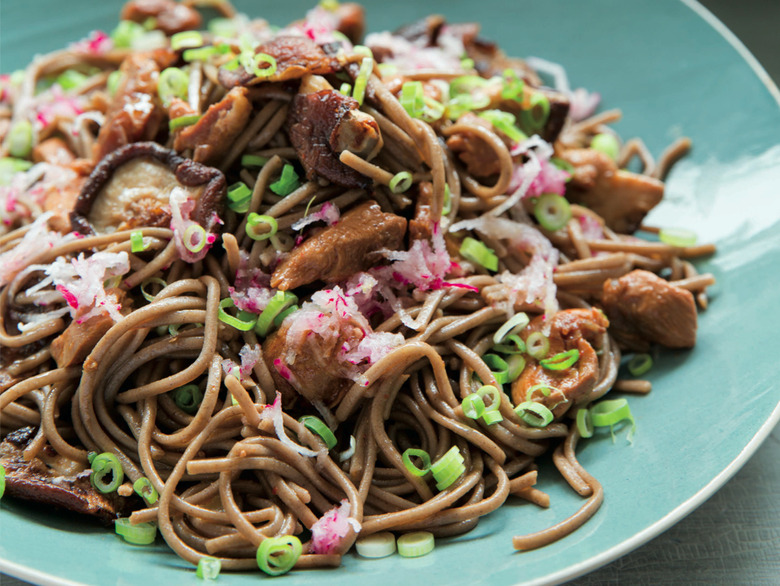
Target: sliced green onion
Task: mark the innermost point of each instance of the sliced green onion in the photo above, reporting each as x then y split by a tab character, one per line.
10	167
71	79
20	139
534	414
255	221
447	469
378	545
330	5
504	122
283	314
515	366
91	457
463	103
113	81
172	83
562	360
2	481
491	414
361	81
400	182
537	345
245	320
138	534
432	111
640	364
513	86
515	345
362	50
252	63
345	89
317	426
407	456
467	63
287	182
186	40
279	302
611	412
606	143
137	241
466	84
473	406
542	388
107	474
498	367
143	487
188	398
199	54
535	117
125	33
552	211
182	121
278	555
477	252
446	207
677	237
415	544
253	161
222	27
563	165
513	325
584	423
194	238
387	69
412	98
238	191
151	280
208	568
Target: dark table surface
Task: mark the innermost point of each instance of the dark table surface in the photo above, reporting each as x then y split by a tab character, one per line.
733	538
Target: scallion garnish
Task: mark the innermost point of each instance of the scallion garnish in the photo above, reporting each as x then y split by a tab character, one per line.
552	211
535	117
245	320
473	406
513	86
513	325
400	182
562	360
639	364
345	89
283	314
113	81
677	237
137	241
70	79
20	139
415	544
534	414
186	40
542	388
239	197
253	161
194	238
446	207
10	166
278	555
183	121
412	98
125	33
478	253
513	344
584	423
537	345
151	280
611	412
410	453
447	469
208	568
317	426
498	367
107	474
138	534
261	227
491	413
253	62
504	122
361	81
144	488
378	545
279	302
172	83
188	398
222	27
2	481
606	143
287	182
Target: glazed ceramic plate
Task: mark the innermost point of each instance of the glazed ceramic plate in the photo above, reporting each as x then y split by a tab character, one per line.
674	71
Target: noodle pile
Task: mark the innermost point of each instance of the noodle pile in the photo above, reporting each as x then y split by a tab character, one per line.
403	341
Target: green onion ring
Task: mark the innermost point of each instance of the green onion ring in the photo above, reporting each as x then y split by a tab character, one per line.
585	423
562	360
318	427
407	456
106	465
640	364
244	322
534	414
537	345
278	555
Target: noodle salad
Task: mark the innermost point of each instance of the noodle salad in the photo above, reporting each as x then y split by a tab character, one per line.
276	294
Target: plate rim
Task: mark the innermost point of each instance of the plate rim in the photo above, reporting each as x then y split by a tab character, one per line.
676	515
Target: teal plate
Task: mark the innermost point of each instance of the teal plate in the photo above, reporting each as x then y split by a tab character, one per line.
673	69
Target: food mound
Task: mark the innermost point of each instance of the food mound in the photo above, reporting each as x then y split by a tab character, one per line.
272	292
